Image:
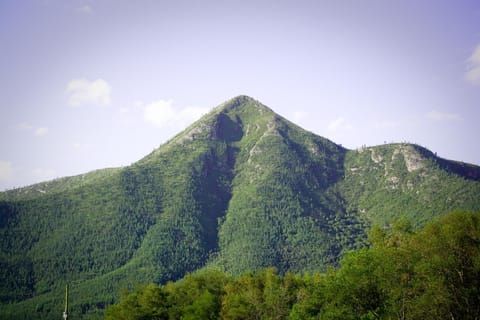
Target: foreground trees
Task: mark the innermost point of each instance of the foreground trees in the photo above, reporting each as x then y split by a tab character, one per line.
432	274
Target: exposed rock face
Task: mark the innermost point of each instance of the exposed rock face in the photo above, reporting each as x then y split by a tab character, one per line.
413	160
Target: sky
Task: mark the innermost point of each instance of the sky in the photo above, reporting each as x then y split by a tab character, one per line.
91	84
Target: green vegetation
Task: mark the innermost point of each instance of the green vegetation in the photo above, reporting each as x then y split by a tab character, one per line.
242	189
386	182
432	274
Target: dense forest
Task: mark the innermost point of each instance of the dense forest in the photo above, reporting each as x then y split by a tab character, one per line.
242	189
430	274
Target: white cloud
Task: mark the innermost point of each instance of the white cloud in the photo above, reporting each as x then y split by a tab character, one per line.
6	170
37	131
85	9
137	104
25	126
442	116
473	73
339	124
40	131
85	92
159	113
162	114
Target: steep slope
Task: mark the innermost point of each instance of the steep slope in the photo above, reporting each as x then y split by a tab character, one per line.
240	189
281	202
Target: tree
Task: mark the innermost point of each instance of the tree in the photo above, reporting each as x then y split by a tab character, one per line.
149	302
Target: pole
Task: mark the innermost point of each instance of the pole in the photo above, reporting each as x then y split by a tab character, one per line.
65	313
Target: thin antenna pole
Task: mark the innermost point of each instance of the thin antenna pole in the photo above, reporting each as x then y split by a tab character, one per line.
65	313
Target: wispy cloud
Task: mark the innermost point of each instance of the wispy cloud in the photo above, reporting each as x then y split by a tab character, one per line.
473	72
85	92
84	9
163	114
40	131
339	124
6	170
35	130
442	116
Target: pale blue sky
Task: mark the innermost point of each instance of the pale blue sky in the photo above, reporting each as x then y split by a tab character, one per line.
90	84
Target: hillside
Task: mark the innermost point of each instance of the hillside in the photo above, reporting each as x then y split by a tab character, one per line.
240	189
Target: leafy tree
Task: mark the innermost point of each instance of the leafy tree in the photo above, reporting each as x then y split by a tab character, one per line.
149	302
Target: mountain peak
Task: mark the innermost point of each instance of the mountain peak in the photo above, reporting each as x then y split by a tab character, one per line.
242	102
240	99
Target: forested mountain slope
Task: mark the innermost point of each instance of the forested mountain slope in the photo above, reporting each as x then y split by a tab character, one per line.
240	189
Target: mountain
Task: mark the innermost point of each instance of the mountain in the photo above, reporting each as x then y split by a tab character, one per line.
240	189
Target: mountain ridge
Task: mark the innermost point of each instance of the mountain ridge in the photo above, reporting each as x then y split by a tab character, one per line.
240	189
